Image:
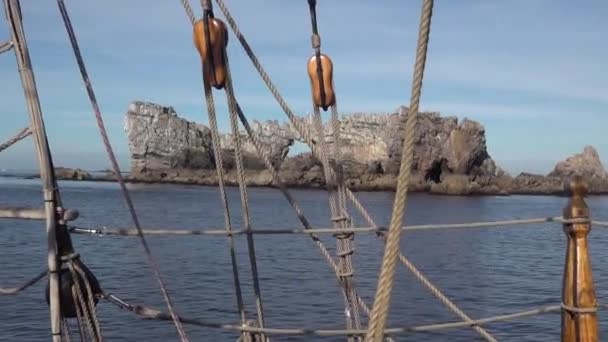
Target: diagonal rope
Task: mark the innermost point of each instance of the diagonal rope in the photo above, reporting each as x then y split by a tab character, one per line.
283	104
24	133
6	46
243	192
189	12
151	313
219	166
391	251
17	289
116	168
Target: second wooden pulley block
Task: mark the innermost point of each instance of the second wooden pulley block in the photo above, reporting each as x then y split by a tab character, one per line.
323	94
211	46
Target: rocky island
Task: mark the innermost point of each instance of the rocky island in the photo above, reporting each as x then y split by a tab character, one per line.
450	156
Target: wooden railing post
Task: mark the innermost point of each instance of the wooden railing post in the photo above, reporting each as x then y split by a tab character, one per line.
579	305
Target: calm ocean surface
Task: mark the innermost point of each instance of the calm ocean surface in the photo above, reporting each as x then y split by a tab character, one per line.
485	271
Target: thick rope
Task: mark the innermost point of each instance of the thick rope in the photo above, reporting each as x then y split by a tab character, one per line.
151	313
106	141
17	289
65	330
90	299
391	251
219	166
24	133
80	315
234	124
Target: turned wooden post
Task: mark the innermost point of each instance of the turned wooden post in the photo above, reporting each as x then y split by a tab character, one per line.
579	305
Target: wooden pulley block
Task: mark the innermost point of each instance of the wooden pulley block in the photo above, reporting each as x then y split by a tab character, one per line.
212	54
326	85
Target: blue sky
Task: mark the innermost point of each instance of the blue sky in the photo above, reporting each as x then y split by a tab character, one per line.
533	72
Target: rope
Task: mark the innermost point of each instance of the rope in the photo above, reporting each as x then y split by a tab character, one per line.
6	46
385	280
314	231
445	300
600	223
115	167
189	11
281	185
17	289
65	330
80	315
91	301
151	313
243	192
219	166
24	133
345	267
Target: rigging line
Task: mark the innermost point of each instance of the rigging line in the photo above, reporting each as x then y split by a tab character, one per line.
243	192
6	46
102	130
379	314
151	313
22	134
219	166
313	231
343	249
17	289
189	12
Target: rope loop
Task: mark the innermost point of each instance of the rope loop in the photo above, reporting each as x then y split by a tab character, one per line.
576	311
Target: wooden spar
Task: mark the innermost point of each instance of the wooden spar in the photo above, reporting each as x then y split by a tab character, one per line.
579	304
13	14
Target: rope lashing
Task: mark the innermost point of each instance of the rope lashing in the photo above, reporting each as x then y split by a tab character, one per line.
211	39
379	314
114	163
22	134
68	305
320	66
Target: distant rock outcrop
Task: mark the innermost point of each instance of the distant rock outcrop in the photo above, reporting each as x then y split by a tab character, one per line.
450	156
65	173
586	164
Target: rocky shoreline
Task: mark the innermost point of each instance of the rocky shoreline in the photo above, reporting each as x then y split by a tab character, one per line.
450	156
